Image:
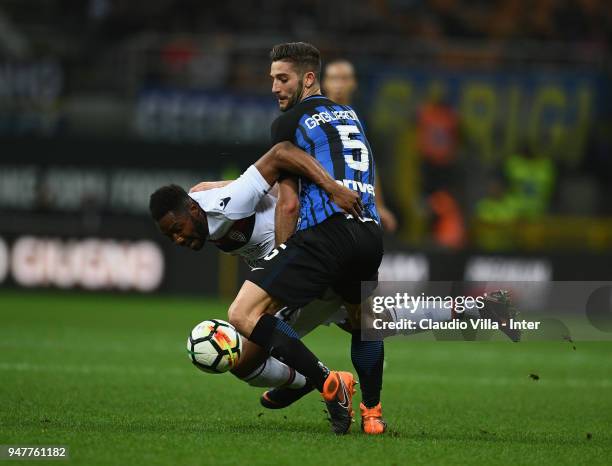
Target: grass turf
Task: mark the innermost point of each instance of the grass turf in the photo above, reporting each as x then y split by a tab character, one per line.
109	377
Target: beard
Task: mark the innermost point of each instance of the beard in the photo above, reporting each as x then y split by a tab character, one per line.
201	229
296	97
199	234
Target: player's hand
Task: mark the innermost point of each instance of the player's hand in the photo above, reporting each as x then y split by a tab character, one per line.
347	199
388	220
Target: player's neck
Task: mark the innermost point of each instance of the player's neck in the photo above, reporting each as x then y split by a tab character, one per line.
310	92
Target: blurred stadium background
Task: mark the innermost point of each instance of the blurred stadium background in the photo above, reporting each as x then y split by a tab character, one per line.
491	124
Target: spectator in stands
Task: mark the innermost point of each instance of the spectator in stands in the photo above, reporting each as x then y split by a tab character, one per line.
437	144
530	180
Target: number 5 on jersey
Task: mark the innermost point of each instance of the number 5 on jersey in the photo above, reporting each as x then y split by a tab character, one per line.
346	131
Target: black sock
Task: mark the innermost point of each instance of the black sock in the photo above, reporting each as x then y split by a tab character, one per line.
273	334
368	358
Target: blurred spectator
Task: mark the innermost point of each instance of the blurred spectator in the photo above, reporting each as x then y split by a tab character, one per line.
448	228
178	54
437	144
531	180
437	139
339	82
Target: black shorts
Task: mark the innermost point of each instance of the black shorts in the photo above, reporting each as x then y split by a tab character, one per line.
338	253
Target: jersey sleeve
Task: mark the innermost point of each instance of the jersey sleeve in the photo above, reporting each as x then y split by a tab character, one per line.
283	129
236	200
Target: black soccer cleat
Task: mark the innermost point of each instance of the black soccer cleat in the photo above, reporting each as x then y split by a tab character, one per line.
281	397
498	307
338	392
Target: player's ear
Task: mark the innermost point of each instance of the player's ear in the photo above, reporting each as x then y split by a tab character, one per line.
194	208
309	79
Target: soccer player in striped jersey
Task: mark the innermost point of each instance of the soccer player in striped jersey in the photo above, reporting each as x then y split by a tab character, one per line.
330	249
333	133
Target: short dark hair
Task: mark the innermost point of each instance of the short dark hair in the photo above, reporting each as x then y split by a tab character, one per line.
305	56
171	198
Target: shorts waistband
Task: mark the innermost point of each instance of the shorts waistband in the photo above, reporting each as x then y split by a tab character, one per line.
361	219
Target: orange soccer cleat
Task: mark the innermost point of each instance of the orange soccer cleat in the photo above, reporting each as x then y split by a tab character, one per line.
372	421
338	395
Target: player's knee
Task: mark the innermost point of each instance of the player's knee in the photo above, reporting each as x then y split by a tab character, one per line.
246	310
238	318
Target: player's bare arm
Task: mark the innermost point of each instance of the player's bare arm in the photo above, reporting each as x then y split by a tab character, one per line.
287	209
285	157
206	185
387	218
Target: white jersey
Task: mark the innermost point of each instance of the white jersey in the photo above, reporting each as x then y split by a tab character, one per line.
241	221
240	216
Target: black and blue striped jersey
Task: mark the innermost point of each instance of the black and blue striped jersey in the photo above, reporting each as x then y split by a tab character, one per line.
333	134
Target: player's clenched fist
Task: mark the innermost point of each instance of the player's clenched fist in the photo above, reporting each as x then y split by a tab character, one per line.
347	199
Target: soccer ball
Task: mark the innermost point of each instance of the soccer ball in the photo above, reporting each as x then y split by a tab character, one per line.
214	346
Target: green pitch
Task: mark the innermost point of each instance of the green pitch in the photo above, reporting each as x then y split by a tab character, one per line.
109	377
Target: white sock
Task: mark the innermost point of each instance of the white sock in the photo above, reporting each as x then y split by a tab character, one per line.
274	373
